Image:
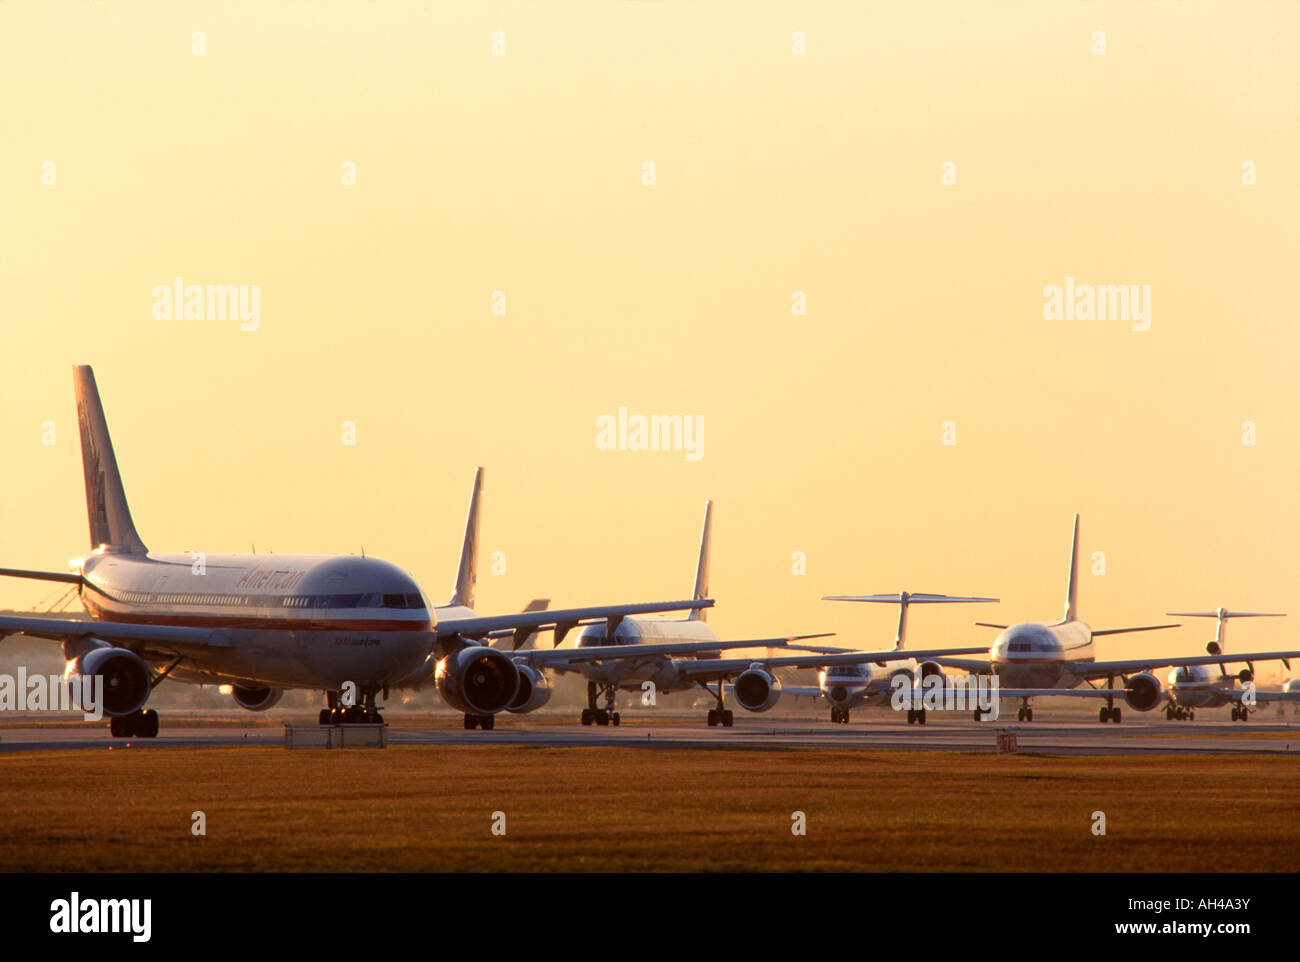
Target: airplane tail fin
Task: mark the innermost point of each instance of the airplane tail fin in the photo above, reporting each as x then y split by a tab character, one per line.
1072	590
110	518
1221	616
467	574
702	570
903	599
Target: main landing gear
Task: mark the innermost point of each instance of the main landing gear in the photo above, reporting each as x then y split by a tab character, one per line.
720	715
1240	713
139	724
916	716
1179	713
591	715
1025	713
1110	712
364	714
839	716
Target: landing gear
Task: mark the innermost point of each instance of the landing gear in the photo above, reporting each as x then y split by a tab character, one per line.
1241	713
1109	714
1025	714
839	716
720	715
591	715
1169	713
364	714
486	722
916	716
139	724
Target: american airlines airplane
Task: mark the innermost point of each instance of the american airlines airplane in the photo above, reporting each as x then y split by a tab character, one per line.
263	623
1196	686
845	687
1033	658
756	687
458	619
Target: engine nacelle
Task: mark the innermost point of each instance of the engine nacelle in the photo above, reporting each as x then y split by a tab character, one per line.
927	669
534	690
256	699
1245	675
1213	648
757	689
127	680
1144	691
901	673
477	680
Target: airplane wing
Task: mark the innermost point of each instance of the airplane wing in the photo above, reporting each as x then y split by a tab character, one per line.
1098	632
562	657
173	637
1065	692
1263	697
965	664
67	577
715	668
560	619
1100	669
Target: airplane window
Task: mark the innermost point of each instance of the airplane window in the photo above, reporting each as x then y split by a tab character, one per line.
394	601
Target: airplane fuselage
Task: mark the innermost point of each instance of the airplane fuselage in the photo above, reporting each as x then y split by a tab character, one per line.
291	621
632	673
1196	686
1034	655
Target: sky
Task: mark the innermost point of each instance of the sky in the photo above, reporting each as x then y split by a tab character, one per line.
839	263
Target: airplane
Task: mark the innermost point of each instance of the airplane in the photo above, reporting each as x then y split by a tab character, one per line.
1195	686
261	624
846	686
458	619
601	656
1033	659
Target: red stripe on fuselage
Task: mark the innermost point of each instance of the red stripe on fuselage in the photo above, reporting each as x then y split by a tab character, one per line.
235	620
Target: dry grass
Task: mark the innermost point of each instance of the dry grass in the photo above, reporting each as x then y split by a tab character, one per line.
640	809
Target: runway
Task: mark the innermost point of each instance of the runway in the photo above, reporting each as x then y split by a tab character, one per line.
1062	738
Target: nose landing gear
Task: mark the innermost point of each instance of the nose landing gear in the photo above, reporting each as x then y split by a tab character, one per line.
364	714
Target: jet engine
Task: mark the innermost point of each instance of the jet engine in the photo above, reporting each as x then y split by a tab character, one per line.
1245	675
928	668
127	680
534	690
903	672
256	699
477	680
757	689
1144	691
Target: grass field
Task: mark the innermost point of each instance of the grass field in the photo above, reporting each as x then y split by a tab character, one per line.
417	808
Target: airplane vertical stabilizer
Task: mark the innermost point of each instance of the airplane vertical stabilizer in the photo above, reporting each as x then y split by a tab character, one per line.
1072	590
110	519
702	572
467	574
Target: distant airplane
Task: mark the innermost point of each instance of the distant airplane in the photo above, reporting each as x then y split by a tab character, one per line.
341	624
845	687
673	655
1195	686
458	620
1032	659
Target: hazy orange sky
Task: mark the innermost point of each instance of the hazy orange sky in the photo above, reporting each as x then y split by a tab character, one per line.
775	173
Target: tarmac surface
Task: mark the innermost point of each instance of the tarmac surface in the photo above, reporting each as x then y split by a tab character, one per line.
1136	737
